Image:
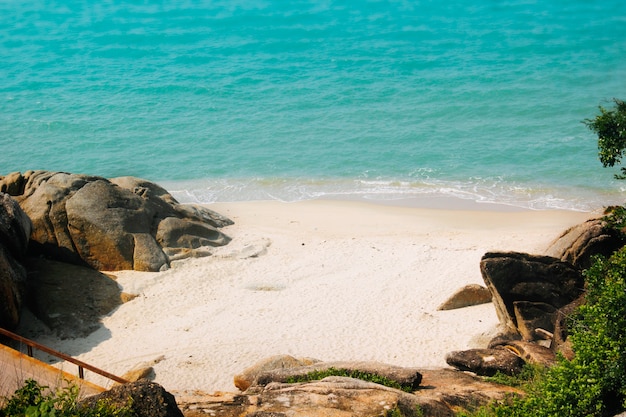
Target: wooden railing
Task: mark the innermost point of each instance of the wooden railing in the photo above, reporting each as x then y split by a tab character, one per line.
30	344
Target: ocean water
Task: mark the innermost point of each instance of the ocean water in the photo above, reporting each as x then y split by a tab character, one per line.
290	100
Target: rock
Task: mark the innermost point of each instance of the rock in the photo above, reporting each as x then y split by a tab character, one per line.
531	352
531	316
486	362
70	299
250	375
470	295
15	228
443	392
405	377
560	341
514	276
146	399
123	223
580	243
144	370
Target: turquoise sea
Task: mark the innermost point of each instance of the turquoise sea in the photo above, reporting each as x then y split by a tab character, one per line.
249	99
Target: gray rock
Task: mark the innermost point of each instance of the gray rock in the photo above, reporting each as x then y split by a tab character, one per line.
123	223
531	316
444	392
580	243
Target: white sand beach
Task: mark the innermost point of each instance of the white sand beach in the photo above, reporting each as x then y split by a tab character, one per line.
332	280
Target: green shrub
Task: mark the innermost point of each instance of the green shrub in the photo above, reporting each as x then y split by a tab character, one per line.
35	400
594	382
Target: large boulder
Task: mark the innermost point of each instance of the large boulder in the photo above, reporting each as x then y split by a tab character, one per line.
122	223
579	244
15	228
144	398
513	277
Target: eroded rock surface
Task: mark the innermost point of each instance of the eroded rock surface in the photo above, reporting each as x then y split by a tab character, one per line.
514	276
122	223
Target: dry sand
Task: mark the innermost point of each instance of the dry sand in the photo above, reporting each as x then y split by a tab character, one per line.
332	280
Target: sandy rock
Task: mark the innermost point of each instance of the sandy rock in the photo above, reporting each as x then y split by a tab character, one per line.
406	377
470	295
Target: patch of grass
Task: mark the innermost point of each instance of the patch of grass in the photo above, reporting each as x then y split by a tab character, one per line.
364	376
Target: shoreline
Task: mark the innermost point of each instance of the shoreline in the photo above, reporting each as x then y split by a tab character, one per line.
328	279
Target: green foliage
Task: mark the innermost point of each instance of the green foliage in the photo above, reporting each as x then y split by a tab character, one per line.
35	400
610	126
530	374
594	382
365	376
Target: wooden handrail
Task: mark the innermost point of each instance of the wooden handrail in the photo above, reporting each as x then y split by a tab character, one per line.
81	365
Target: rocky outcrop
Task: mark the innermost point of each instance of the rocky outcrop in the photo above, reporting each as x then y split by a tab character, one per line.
143	398
15	228
443	392
486	362
515	277
122	223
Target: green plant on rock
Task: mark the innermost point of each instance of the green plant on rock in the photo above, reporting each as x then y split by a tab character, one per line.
35	400
350	373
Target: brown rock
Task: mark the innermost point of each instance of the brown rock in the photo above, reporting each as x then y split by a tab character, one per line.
470	295
514	276
531	316
146	399
531	352
580	243
486	362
